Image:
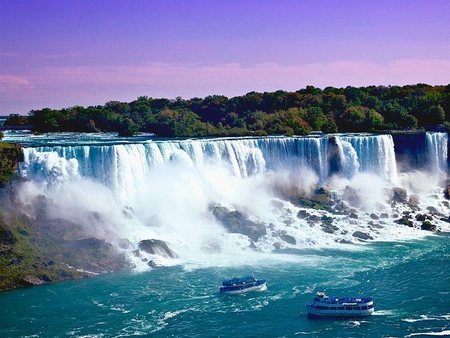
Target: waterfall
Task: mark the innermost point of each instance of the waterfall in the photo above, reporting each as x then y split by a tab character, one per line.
164	189
436	148
125	167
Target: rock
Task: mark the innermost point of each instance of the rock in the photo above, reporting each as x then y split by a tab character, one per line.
302	214
321	195
433	211
288	239
421	217
353	215
399	195
238	222
124	243
405	221
220	212
156	247
334	156
6	237
32	280
362	235
447	192
90	243
374	216
428	226
351	196
414	201
327	219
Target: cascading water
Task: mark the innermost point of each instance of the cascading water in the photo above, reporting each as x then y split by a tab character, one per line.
436	144
165	189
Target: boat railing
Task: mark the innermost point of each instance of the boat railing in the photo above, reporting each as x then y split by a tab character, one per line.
341	300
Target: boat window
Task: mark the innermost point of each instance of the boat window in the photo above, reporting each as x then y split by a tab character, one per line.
370	306
348	308
340	308
364	307
357	308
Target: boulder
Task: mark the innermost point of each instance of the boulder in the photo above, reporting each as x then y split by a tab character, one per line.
426	225
362	235
321	195
447	192
399	195
156	247
238	222
302	214
351	196
288	239
414	201
405	221
32	280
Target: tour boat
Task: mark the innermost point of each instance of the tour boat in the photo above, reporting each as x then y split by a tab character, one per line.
244	284
325	306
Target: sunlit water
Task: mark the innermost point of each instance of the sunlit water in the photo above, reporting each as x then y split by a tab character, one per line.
166	188
409	282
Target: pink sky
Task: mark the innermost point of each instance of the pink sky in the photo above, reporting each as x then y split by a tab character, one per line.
63	53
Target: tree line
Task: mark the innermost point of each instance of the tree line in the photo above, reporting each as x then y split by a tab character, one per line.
350	109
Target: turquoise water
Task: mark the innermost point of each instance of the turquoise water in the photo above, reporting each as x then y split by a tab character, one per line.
410	283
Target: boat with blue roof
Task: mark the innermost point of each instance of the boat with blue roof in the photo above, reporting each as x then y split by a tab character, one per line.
325	306
237	285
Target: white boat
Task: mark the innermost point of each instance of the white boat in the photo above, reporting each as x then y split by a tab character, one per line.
325	306
237	285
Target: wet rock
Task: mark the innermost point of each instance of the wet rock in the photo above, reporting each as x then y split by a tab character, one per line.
433	211
156	247
399	195
447	192
353	215
124	243
405	221
327	219
238	222
351	196
428	226
421	217
329	229
321	195
288	239
374	216
414	201
302	214
362	235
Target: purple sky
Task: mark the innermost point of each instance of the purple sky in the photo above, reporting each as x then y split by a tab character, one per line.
62	53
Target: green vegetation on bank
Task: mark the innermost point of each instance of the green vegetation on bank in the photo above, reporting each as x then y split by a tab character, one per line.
350	109
10	156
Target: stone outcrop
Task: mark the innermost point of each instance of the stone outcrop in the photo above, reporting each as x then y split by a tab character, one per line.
238	222
399	195
362	235
156	247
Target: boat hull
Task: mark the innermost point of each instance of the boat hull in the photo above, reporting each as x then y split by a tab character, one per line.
320	313
260	287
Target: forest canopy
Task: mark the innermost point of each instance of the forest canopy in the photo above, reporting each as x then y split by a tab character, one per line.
350	109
